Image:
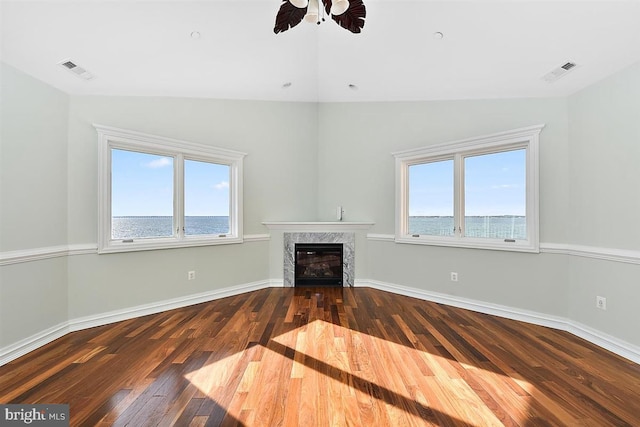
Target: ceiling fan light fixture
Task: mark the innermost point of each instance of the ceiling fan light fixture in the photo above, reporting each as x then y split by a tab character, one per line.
312	12
339	7
300	4
349	14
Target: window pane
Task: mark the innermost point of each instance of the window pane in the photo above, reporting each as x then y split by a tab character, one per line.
206	198
141	195
495	194
431	198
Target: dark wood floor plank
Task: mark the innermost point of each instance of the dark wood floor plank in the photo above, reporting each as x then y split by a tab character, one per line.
327	357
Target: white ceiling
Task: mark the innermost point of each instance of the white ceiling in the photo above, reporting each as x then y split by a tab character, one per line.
490	49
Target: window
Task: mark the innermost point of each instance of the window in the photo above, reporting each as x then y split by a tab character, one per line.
477	193
160	193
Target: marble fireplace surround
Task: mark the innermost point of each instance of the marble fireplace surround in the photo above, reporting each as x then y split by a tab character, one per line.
348	241
293	232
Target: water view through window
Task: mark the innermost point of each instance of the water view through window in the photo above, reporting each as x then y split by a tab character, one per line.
493	199
130	227
495	195
431	198
206	198
142	187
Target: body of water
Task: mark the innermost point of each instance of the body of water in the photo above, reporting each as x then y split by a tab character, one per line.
139	227
493	227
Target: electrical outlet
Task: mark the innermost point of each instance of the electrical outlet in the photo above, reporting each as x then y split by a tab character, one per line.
601	303
191	275
454	276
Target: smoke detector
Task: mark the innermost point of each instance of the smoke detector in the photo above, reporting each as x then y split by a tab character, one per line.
561	71
75	69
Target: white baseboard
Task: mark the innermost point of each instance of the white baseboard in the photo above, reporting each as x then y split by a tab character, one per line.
613	344
22	347
276	283
158	307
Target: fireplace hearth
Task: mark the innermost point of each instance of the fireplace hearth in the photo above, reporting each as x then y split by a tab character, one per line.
318	264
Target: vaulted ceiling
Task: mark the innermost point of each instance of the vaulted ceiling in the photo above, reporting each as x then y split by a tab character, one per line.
228	49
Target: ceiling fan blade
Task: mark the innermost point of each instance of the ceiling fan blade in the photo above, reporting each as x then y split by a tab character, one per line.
288	17
353	18
327	6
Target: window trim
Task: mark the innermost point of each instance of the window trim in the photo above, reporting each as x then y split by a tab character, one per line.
110	138
527	138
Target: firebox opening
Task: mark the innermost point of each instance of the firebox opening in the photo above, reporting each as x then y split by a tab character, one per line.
318	264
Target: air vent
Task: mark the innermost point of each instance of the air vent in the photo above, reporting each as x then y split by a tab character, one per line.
561	71
78	71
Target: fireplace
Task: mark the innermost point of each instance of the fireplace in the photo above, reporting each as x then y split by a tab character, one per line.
346	240
318	264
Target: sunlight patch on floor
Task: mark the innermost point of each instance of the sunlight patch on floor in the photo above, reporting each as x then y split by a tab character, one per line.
309	376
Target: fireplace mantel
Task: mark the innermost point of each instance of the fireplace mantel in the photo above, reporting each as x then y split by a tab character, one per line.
319	226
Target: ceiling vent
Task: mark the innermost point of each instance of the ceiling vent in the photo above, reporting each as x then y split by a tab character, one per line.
78	71
561	71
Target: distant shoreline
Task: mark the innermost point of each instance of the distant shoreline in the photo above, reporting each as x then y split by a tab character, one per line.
170	216
468	216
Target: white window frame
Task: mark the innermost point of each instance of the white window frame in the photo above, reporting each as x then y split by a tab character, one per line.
113	138
524	138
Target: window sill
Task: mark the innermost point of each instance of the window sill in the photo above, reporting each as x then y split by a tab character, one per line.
151	244
468	243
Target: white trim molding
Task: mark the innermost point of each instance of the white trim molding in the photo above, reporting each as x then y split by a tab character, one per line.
27	255
22	347
613	344
276	283
381	237
160	306
257	237
606	254
112	140
321	226
36	254
84	249
455	155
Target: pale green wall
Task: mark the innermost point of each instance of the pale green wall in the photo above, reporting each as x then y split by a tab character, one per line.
103	283
356	142
357	139
303	161
33	203
34	163
605	162
280	140
33	298
605	201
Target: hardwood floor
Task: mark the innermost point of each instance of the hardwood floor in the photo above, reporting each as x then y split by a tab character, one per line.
327	357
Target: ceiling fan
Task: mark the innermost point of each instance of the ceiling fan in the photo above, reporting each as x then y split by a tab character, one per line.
349	14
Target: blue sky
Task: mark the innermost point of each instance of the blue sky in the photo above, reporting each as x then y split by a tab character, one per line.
495	184
142	185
